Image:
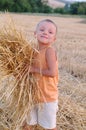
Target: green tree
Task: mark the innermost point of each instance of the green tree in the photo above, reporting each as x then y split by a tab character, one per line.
6	5
24	6
74	8
82	8
47	9
59	10
40	5
21	6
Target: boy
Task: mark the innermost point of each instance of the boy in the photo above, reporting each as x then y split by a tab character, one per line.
45	69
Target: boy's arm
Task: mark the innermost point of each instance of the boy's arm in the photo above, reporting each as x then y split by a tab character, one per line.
51	63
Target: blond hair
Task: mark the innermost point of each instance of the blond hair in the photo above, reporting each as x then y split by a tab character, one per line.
47	20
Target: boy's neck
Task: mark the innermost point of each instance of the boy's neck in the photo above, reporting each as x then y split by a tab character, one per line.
43	46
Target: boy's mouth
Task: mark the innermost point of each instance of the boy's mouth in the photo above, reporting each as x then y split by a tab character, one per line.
44	37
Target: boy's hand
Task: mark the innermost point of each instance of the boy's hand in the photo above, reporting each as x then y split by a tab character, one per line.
31	69
25	126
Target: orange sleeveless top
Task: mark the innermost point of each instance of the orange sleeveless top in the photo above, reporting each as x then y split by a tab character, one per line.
46	85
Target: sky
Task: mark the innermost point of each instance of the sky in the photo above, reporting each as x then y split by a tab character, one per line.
75	0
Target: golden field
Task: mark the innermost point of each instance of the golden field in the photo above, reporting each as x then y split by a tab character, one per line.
55	4
71	52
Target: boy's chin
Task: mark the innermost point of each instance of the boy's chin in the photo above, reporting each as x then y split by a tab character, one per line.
44	42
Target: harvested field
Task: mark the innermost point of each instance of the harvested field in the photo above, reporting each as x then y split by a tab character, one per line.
71	51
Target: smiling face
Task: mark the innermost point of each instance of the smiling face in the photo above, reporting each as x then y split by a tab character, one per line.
46	33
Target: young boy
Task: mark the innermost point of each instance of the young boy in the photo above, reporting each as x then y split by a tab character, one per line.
45	70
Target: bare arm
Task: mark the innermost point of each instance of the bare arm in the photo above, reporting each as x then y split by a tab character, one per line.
51	63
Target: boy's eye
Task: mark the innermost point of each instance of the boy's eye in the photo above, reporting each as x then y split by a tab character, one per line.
50	32
41	29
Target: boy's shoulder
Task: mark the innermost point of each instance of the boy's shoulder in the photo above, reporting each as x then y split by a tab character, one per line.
51	52
50	49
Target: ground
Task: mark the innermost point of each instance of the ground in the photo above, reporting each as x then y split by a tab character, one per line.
71	51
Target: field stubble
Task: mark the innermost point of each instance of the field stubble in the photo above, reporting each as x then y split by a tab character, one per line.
71	51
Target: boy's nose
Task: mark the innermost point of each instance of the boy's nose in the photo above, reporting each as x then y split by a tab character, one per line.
45	32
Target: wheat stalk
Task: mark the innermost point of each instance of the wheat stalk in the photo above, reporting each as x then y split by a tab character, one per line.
20	90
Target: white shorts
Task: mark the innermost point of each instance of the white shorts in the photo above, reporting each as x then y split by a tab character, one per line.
45	115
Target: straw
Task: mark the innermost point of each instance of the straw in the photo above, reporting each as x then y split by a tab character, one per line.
20	92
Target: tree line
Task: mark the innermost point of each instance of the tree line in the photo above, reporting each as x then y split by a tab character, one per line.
36	6
74	8
40	6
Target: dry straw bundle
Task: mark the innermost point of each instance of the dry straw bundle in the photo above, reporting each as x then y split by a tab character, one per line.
18	87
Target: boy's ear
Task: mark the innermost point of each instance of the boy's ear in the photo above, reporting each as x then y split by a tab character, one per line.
55	38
